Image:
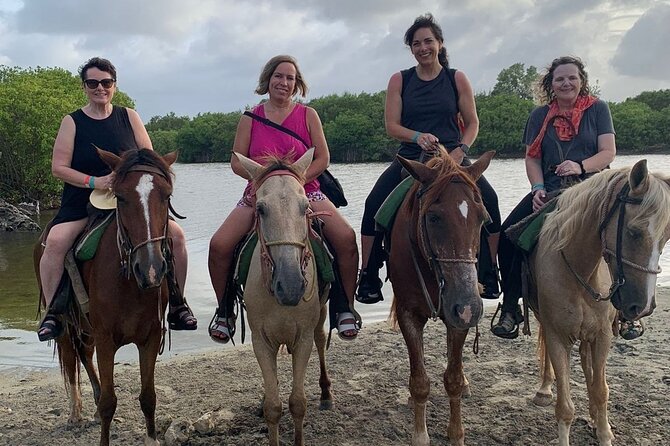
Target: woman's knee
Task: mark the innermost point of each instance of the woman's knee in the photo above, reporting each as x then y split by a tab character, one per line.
176	233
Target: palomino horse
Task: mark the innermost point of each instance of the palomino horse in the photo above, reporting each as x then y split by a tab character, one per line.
126	306
282	291
602	243
434	243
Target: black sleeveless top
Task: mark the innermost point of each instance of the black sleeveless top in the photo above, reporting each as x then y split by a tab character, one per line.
429	107
114	134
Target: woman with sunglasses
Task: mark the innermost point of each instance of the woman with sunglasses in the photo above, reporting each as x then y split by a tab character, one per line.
282	80
76	162
568	138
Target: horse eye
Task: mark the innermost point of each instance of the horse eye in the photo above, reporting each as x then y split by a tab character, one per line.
634	233
433	218
260	208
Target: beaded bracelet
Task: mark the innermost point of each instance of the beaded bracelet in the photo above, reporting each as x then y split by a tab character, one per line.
91	183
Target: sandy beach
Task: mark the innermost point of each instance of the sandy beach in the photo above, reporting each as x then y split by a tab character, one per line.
370	379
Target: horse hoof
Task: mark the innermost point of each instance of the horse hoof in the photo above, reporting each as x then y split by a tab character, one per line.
542	399
326	405
465	393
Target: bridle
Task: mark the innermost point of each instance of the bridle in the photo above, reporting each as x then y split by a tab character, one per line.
127	250
433	260
267	263
620	202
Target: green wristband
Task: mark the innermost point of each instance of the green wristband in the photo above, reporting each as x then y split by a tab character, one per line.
536	187
415	138
91	182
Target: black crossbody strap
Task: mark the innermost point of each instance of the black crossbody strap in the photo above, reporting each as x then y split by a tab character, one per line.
279	127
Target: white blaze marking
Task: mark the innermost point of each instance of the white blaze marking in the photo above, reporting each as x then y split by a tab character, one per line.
654	260
144	188
463	207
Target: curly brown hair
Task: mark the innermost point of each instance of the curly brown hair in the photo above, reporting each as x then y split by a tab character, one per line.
545	94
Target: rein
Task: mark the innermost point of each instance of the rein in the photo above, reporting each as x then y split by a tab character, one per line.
433	260
620	202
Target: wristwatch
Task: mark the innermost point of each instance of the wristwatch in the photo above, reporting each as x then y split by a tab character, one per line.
465	148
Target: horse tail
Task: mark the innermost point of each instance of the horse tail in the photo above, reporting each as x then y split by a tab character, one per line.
541	349
393	315
70	356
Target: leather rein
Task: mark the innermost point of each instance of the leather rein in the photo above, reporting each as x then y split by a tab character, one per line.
620	202
433	260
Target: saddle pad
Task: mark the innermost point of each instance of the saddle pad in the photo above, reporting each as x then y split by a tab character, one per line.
525	233
323	258
87	244
389	208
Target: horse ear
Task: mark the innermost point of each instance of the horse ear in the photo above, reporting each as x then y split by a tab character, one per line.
171	157
478	167
305	160
638	178
109	158
251	166
418	170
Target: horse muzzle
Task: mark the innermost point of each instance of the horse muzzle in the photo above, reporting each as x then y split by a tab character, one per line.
149	271
632	307
288	284
462	305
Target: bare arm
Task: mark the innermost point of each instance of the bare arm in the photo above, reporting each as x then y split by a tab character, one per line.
139	130
321	159
241	145
468	111
596	163
536	177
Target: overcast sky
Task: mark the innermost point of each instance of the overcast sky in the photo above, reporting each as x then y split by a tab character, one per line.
192	56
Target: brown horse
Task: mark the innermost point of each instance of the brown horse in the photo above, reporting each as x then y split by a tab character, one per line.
434	243
282	295
126	306
602	243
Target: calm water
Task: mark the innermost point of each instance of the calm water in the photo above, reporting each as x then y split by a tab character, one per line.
205	194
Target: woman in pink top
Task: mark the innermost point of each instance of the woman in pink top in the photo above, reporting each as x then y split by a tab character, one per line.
282	80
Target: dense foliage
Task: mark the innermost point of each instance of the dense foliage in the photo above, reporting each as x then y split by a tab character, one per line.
353	124
32	105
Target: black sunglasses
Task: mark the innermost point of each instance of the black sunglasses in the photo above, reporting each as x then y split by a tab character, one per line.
93	83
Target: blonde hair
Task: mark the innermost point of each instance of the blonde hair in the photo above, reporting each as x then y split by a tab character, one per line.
269	69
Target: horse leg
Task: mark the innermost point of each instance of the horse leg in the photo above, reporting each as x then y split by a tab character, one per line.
86	357
324	379
454	384
559	353
107	403
148	353
587	368
544	396
297	403
419	384
266	355
599	391
67	356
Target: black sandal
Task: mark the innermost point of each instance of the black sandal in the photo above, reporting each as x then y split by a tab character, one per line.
182	318
50	328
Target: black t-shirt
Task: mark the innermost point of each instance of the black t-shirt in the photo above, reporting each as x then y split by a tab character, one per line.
595	121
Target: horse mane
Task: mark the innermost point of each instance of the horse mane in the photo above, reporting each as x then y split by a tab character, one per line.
142	157
447	172
582	205
276	162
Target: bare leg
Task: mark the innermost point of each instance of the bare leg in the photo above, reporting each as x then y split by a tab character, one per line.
493	240
366	248
419	384
60	239
454	384
180	253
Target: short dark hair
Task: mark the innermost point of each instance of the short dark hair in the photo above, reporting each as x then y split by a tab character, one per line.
271	66
428	21
544	91
99	63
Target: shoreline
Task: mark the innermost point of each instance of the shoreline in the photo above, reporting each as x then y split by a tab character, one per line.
370	379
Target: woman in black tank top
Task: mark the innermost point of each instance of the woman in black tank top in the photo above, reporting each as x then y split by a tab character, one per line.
76	162
426	105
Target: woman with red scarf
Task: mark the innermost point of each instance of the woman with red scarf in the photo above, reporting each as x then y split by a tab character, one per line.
568	139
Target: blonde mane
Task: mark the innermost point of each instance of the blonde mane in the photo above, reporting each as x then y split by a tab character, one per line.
272	163
583	205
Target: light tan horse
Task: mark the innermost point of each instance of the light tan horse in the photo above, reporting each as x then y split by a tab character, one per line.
282	291
434	243
608	229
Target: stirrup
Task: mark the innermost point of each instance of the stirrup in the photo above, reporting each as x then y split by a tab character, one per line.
508	324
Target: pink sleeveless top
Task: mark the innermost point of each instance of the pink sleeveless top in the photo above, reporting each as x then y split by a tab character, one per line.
266	140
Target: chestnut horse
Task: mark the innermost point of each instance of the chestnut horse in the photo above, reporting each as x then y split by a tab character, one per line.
282	295
126	306
601	244
434	243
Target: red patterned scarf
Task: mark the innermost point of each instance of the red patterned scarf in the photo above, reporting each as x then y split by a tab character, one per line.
566	124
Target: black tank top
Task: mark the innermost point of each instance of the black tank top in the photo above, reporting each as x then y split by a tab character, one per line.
429	107
114	134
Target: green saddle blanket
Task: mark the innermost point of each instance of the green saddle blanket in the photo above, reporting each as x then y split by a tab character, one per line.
385	216
322	256
87	245
525	233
